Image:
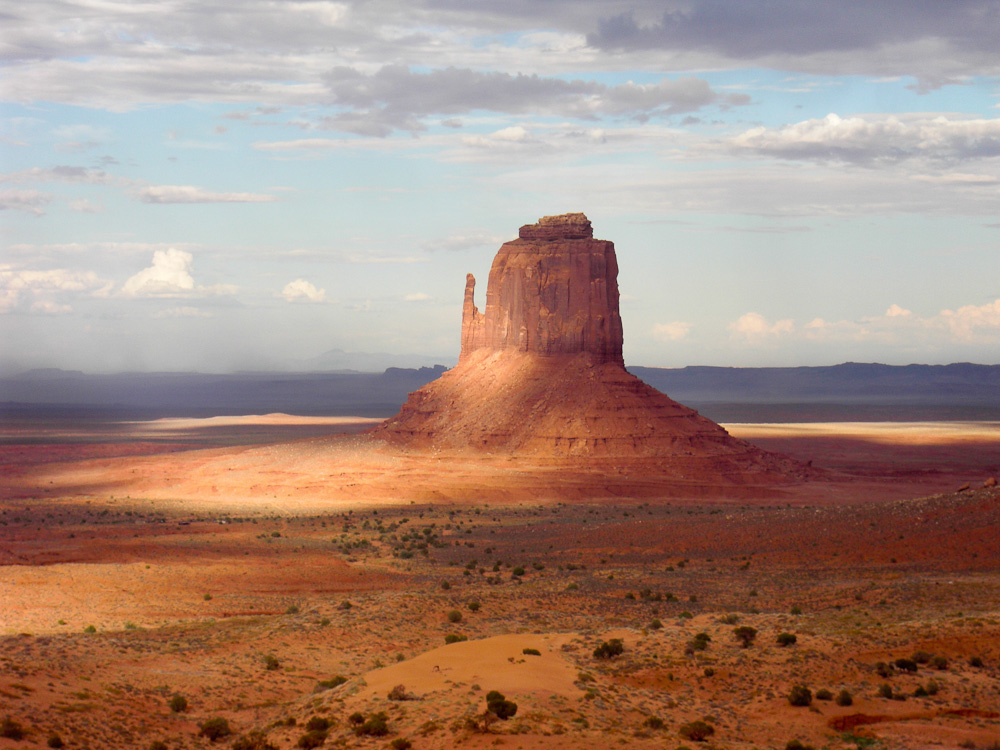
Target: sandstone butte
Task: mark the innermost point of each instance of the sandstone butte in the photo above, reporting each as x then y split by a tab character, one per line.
541	374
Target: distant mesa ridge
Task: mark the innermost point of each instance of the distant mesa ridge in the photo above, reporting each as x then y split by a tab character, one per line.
541	372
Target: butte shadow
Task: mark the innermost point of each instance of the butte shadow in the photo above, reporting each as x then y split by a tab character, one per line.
541	378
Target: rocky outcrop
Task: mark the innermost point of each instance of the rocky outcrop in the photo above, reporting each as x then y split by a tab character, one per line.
552	291
541	375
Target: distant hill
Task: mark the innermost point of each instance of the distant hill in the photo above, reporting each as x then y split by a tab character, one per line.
848	391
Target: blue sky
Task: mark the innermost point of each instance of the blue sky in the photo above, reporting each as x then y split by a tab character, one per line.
219	185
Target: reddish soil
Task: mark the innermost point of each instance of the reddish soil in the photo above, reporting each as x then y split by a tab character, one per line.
195	557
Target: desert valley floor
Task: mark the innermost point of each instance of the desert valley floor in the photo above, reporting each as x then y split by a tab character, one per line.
281	575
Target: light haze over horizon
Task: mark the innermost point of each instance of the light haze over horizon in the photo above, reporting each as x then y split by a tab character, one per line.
222	186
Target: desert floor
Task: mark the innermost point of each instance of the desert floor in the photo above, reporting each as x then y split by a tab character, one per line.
273	570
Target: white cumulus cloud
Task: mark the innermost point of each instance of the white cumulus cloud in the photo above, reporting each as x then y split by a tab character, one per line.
674	331
170	276
17	286
300	289
754	327
194	194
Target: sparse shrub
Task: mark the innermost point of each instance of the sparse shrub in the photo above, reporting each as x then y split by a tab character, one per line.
445	585
498	705
786	639
797	745
745	635
883	670
905	665
655	624
292	610
318	724
708	672
800	695
609	649
473	606
685	615
932	687
921	657
207	597
697	731
215	729
324	622
531	652
976	661
253	741
454	616
55	740
653	722
90	629
844	698
178	703
517	572
160	745
271	662
400	743
312	739
399	693
731	619
331	683
11	729
357	718
939	662
376	725
455	638
885	690
823	695
920	692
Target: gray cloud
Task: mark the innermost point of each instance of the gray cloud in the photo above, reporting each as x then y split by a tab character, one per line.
396	98
875	140
873	36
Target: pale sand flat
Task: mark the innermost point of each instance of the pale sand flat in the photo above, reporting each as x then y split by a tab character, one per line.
900	433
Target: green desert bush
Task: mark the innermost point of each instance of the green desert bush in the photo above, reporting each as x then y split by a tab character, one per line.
786	639
215	729
800	695
745	635
178	703
271	662
312	739
454	616
531	652
400	743
609	649
318	724
55	740
455	638
498	705
375	725
252	741
331	683
844	698
697	731
824	695
11	729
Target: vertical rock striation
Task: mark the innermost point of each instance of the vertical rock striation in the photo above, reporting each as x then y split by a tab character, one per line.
541	375
553	290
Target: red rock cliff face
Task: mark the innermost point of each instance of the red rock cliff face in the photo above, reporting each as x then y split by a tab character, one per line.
552	291
541	376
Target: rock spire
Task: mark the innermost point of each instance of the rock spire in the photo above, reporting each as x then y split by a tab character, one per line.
553	290
541	376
